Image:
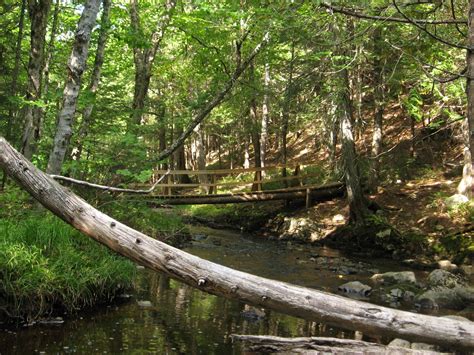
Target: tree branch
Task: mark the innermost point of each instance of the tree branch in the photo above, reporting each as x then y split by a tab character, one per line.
207	109
110	188
432	35
354	13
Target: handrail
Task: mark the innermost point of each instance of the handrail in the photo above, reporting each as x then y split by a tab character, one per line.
232	171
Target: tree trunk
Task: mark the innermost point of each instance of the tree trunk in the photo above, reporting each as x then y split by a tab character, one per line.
95	78
38	11
76	66
144	57
180	159
298	301
285	115
49	53
12	112
201	156
466	186
358	210
374	174
264	124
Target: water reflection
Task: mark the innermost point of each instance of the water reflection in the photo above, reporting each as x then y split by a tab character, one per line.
177	319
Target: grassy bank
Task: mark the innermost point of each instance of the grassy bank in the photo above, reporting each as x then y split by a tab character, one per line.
47	266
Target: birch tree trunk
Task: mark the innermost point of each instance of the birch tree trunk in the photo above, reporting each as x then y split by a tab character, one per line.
466	186
144	57
264	125
76	66
95	78
38	11
209	277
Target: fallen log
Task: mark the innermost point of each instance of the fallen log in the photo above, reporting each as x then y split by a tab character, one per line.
315	345
323	193
216	279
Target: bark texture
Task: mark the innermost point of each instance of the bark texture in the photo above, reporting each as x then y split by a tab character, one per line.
76	66
357	203
12	112
38	11
220	280
466	186
265	116
95	77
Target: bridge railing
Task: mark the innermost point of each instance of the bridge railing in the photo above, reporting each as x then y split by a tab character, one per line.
262	175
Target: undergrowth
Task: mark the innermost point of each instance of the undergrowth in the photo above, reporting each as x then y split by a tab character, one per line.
46	266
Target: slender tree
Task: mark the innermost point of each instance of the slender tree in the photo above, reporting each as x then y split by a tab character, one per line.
38	11
144	56
95	78
76	66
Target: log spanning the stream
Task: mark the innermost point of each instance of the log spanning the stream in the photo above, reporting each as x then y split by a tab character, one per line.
219	280
314	194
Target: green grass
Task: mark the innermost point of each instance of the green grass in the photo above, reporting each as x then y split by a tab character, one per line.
46	265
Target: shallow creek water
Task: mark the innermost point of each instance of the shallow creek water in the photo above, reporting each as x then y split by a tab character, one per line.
178	319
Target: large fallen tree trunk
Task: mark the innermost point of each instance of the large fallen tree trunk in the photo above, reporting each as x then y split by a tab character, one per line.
316	345
216	279
324	193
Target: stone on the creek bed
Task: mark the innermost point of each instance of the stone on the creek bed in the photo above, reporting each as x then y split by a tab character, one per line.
399	343
356	288
424	347
446	265
467	270
198	237
443	278
442	297
396	293
144	304
392	278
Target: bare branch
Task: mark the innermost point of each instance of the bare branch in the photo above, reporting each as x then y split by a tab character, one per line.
432	35
354	13
110	188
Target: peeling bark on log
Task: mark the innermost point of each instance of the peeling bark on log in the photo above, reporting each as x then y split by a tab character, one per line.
219	280
316	345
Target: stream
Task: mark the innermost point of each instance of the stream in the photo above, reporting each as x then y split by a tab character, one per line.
163	316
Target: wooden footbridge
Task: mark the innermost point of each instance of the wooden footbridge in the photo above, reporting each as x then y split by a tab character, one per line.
218	186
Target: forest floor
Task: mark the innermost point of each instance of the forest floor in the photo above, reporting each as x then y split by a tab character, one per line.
419	172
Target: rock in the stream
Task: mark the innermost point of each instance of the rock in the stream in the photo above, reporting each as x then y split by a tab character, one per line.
392	278
400	343
467	270
447	265
442	297
423	346
443	278
356	288
198	237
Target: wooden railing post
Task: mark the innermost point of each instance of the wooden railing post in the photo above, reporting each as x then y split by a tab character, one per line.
259	180
169	182
308	198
